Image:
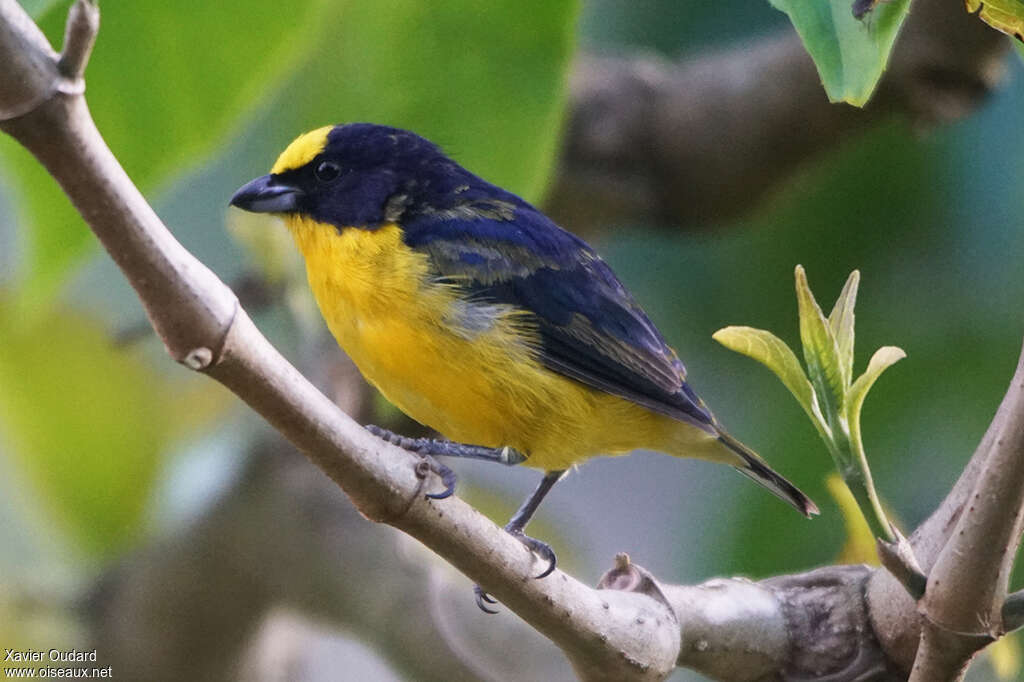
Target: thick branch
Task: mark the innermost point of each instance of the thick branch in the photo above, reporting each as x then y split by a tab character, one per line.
258	549
689	143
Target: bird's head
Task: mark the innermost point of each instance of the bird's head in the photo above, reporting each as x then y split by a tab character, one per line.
354	174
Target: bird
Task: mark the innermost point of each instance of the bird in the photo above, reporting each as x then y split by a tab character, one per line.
477	316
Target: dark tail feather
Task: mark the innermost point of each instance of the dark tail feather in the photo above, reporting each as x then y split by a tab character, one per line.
755	468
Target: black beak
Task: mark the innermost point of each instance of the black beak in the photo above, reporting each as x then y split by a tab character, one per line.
267	195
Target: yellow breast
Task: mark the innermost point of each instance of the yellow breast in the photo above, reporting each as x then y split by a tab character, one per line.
475	381
385	310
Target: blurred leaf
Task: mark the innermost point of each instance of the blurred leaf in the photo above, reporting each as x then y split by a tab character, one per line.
773	353
820	350
841	321
1005	657
485	81
267	243
37	616
87	423
882	359
1003	15
860	545
37	8
850	54
161	107
270	247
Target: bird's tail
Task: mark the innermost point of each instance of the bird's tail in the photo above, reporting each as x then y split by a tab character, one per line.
757	469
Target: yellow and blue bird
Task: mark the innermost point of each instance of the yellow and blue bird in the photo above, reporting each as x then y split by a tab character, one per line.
480	318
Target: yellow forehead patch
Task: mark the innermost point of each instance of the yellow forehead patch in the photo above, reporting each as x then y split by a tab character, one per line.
302	150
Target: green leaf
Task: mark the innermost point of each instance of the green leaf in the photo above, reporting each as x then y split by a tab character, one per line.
1003	15
773	353
880	361
86	424
161	107
820	351
850	54
840	321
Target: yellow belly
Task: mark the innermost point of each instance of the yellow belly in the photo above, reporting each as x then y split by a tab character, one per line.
484	388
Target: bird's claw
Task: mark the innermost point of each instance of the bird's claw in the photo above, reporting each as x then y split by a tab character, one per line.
482	597
418	446
447	477
538	547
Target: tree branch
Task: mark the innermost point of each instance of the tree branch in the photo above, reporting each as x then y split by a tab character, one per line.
967	586
79	37
966	547
688	143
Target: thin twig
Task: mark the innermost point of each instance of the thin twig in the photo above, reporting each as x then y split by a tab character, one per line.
79	37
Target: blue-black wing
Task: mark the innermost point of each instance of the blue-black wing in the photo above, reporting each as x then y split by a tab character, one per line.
503	251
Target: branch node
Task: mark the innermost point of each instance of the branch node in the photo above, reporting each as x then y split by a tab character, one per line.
79	37
626	576
198	359
899	559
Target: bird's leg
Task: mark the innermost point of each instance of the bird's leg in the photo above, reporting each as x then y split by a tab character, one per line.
428	448
515	528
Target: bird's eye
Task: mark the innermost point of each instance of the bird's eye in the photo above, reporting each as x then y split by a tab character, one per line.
327	171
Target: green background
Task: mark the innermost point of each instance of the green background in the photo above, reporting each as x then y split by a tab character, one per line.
103	450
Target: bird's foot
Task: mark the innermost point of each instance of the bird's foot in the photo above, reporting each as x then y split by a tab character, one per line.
425	448
447	448
536	546
483	599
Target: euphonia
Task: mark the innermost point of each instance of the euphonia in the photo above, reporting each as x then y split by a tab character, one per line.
482	319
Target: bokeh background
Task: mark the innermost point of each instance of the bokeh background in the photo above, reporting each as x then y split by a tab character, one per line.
146	512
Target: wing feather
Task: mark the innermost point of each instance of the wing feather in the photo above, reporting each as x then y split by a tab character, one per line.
591	329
